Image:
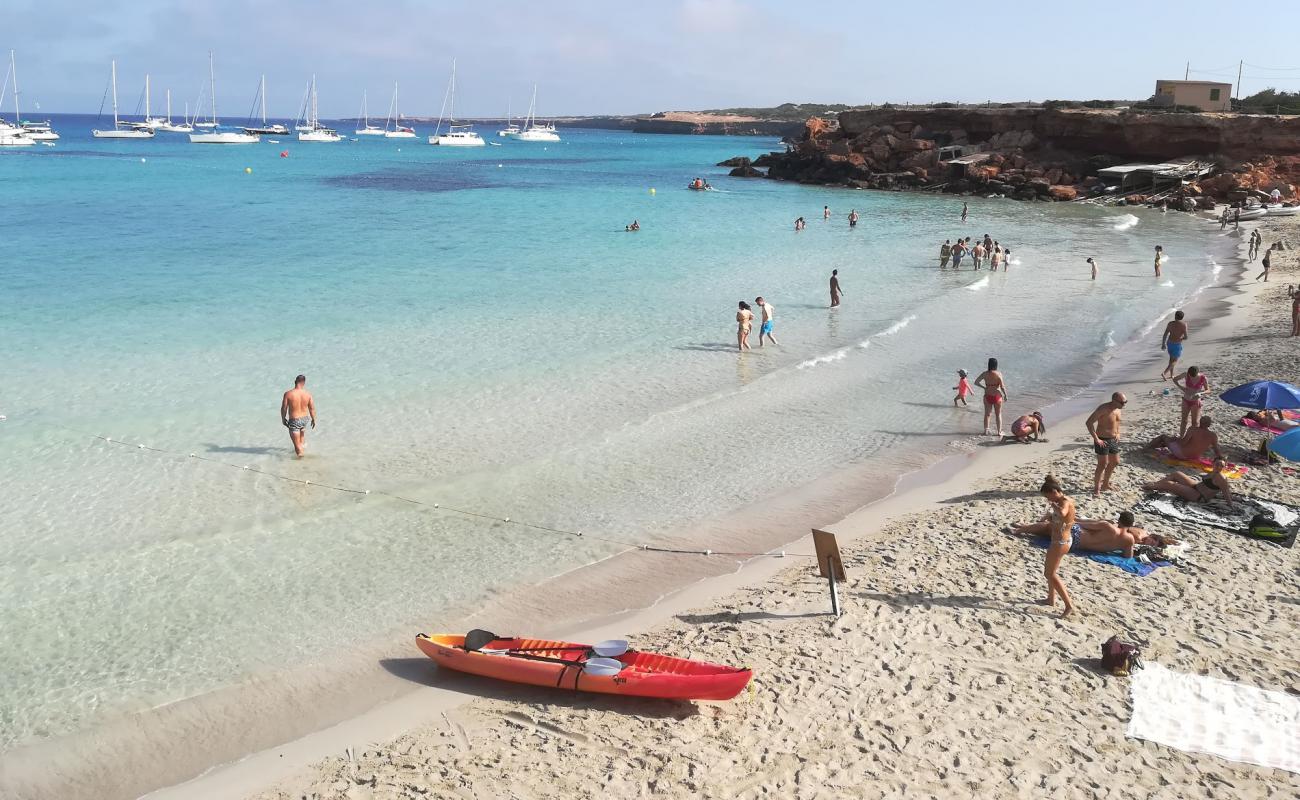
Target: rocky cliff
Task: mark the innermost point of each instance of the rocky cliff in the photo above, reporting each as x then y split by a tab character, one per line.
1031	153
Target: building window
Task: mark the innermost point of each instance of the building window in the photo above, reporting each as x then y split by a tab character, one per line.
1214	94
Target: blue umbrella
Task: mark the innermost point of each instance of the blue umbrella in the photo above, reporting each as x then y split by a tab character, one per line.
1287	445
1263	395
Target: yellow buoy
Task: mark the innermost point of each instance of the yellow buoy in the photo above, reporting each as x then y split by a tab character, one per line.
248	170
652	191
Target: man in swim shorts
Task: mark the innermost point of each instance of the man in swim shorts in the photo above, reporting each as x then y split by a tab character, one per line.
1172	342
1193	445
945	250
297	408
1104	427
836	291
765	330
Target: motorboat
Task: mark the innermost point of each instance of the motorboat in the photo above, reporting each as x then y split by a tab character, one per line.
39	131
120	129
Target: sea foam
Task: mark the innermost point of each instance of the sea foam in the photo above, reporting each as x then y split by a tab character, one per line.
1125	222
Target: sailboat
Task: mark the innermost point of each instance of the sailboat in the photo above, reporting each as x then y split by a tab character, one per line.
195	122
121	130
172	127
367	129
25	129
270	129
151	122
315	131
399	130
456	135
218	136
511	128
533	130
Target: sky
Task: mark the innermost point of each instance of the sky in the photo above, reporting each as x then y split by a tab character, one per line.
618	57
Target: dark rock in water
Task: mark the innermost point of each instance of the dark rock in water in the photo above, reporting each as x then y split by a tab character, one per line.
768	159
738	161
746	171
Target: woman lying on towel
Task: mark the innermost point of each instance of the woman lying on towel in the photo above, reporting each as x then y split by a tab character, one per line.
1096	535
1273	420
1212	486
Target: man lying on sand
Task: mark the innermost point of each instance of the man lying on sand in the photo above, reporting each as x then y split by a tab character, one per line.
1193	445
1096	535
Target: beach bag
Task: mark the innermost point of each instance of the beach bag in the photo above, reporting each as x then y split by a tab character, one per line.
1119	657
1264	526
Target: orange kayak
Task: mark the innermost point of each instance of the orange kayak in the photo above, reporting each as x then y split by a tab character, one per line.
641	675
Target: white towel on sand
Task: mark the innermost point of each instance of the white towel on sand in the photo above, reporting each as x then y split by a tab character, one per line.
1210	715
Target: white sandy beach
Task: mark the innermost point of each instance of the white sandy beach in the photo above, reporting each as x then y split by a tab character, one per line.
944	678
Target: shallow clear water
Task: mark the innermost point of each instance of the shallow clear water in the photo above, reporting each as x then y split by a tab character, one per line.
478	330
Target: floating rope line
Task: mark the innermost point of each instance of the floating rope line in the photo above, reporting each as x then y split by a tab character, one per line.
631	546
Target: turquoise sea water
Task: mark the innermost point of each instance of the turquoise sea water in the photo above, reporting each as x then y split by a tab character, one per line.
478	330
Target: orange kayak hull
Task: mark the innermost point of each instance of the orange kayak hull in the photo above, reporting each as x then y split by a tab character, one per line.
643	674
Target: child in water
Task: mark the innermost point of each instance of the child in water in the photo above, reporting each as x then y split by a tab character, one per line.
962	387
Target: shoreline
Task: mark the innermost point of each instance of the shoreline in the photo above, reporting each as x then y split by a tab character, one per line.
914	491
702	580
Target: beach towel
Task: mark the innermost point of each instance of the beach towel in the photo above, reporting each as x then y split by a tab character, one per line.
1200	714
1253	425
1217	514
1233	471
1129	565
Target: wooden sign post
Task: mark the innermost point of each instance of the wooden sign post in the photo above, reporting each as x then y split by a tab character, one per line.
829	564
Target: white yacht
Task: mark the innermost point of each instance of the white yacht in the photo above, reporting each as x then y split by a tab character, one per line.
268	128
174	127
17	134
120	129
219	136
398	130
534	131
39	131
462	135
366	128
316	132
511	128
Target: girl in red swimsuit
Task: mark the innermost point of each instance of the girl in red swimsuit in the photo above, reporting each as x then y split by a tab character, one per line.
1194	386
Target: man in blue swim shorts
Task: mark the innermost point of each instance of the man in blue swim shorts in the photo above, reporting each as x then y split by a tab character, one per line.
1172	342
766	330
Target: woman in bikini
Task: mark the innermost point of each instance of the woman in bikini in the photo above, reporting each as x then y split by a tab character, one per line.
744	321
1194	386
995	392
1212	486
1061	529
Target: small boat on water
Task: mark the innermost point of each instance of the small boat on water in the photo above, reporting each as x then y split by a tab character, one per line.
603	668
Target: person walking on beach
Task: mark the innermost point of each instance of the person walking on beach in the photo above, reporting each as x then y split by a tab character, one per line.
965	209
995	392
1104	427
962	388
1294	293
1093	264
765	329
1267	263
1195	386
1223	219
1236	219
945	252
296	408
1172	342
1160	259
1255	241
1064	533
853	218
836	291
744	322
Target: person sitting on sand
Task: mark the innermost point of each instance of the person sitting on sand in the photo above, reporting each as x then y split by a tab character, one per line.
1211	486
1192	445
1060	523
1096	535
1027	428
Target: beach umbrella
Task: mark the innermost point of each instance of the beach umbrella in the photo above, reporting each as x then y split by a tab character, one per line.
1263	395
1287	445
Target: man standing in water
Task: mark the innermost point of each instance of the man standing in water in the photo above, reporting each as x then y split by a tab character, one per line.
766	328
836	291
1093	264
1103	427
826	212
945	251
296	408
853	218
965	209
1172	342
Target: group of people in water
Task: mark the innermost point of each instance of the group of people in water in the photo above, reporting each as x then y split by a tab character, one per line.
987	250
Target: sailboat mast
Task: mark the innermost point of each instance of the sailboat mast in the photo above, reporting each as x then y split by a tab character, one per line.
114	93
451	109
263	93
146	97
365	110
169	106
212	87
13	67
